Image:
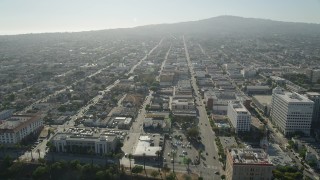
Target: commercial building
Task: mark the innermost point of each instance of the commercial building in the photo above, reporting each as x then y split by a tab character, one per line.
148	147
218	99
315	97
77	140
250	164
249	72
314	75
291	112
239	116
18	127
253	90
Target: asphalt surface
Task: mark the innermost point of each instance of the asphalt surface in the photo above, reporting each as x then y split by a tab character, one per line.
207	135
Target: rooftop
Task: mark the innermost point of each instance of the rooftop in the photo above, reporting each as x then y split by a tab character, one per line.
263	99
249	156
294	97
145	147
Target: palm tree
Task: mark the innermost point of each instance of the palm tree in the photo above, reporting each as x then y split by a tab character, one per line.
119	156
130	157
165	169
30	149
188	161
158	153
144	163
1	149
91	153
154	174
173	154
38	151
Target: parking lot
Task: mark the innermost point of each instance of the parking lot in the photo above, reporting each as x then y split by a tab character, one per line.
183	149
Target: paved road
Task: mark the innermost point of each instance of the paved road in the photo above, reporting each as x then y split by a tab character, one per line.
135	132
144	58
163	64
207	134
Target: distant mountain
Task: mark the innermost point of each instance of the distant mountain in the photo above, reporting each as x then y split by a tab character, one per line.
234	24
221	25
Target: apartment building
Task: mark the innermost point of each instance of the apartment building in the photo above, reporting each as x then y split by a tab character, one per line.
291	112
239	116
248	164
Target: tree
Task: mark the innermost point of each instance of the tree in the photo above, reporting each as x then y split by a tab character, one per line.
173	155
101	175
119	156
147	107
11	97
56	166
187	161
187	177
144	163
137	169
74	164
38	151
39	172
171	176
62	108
165	169
7	161
193	132
158	153
155	173
130	157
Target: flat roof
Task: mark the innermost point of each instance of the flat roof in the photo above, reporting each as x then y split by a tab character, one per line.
263	99
249	156
294	97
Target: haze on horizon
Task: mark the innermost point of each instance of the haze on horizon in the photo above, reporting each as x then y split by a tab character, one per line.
37	16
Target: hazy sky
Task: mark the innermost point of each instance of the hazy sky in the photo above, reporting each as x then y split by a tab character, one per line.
26	16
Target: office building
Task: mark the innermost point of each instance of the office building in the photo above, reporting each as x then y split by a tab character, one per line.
291	112
85	141
315	97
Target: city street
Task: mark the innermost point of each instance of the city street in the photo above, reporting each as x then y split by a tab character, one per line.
207	134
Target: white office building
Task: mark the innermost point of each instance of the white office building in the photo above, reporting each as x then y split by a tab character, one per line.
291	112
239	116
80	140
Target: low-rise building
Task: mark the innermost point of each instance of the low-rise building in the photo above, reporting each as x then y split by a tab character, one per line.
251	164
84	141
263	103
148	148
253	90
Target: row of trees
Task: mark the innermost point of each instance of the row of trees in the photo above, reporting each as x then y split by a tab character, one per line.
287	172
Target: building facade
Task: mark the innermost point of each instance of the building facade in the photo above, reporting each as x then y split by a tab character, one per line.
291	112
248	164
239	116
315	97
85	144
18	127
